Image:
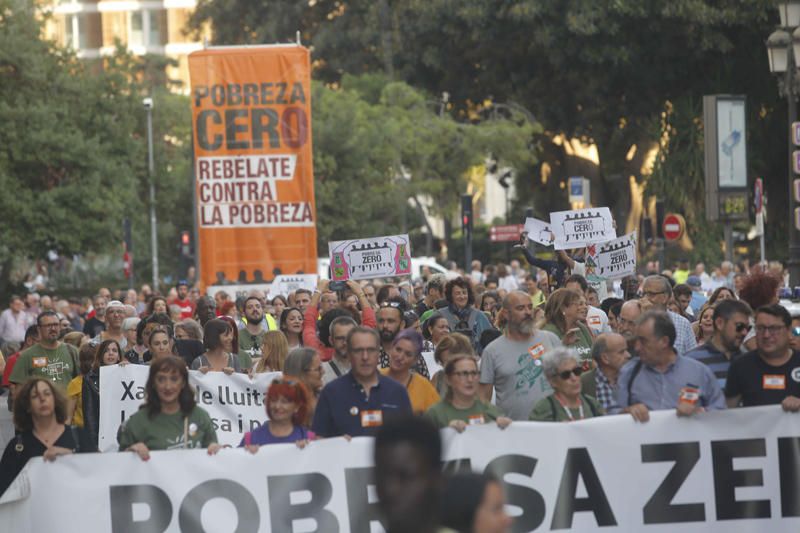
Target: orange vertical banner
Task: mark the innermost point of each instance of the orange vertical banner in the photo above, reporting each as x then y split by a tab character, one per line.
254	176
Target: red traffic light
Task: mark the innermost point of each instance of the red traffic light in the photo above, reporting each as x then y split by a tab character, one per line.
184	237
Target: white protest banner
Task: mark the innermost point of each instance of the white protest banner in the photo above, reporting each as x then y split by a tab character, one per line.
285	284
235	403
730	471
378	257
613	259
575	229
539	231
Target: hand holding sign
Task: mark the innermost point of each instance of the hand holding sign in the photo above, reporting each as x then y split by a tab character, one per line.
539	231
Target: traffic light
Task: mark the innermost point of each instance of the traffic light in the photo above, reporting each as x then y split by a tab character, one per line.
186	244
466	213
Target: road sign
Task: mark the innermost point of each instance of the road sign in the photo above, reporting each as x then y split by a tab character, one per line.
758	195
796	133
510	233
674	227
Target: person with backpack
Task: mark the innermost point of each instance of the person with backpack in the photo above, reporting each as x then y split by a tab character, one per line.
563	371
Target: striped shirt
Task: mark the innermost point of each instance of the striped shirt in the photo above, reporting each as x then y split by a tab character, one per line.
716	360
684	338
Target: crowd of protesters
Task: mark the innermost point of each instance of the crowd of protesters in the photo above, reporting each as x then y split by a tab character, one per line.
545	342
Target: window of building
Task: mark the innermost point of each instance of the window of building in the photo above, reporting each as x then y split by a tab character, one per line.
145	28
75	35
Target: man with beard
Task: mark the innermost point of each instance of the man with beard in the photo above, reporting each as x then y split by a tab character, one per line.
97	323
339	364
49	358
512	363
770	374
629	313
183	301
251	336
731	324
390	322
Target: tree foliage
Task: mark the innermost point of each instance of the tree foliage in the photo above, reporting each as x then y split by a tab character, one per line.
72	162
600	71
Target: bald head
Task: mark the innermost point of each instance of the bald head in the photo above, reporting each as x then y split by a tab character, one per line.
610	352
628	315
514	298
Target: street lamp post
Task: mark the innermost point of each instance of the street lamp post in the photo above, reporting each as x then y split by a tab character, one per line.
783	47
148	106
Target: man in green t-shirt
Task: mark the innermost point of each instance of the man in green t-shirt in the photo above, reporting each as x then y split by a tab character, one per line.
251	336
49	358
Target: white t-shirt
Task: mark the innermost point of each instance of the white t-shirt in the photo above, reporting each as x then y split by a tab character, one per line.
597	320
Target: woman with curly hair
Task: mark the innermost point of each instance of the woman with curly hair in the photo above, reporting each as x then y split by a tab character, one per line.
461	313
758	289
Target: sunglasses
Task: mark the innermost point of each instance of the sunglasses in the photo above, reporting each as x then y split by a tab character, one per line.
741	326
577	371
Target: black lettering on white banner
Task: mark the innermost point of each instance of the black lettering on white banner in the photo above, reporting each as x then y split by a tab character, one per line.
659	509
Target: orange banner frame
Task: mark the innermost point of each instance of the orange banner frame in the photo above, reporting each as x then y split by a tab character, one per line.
253	161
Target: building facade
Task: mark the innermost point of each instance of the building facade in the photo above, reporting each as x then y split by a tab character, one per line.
93	27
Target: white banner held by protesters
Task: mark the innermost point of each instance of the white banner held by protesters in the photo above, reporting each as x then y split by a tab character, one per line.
235	403
378	257
539	231
613	259
733	471
575	229
284	284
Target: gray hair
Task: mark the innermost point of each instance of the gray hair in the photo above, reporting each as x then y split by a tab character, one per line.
130	322
191	327
552	359
298	361
665	284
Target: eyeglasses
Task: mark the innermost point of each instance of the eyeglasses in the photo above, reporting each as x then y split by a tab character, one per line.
742	326
650	294
464	374
577	371
772	330
51	325
396	305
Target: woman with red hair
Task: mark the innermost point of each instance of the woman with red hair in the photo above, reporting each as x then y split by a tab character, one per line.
287	407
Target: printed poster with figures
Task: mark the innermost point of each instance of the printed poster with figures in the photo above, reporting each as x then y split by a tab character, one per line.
576	229
378	257
539	231
283	285
613	259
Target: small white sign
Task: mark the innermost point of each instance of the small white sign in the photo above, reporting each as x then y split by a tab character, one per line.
614	259
285	284
796	161
575	229
539	231
796	133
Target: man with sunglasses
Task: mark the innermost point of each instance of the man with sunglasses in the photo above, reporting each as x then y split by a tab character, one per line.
49	358
770	374
661	379
731	324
